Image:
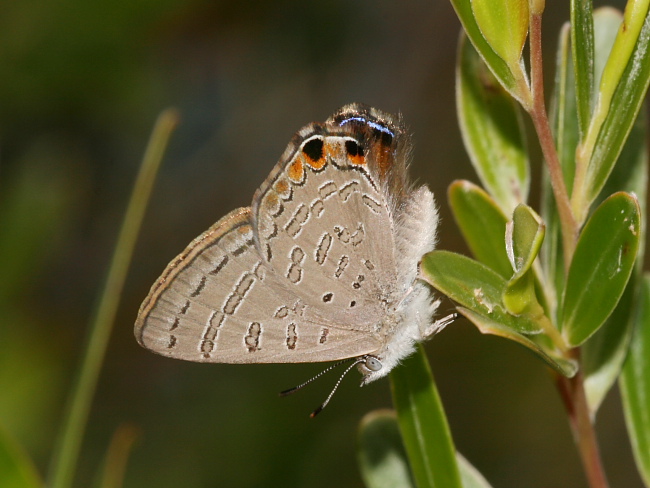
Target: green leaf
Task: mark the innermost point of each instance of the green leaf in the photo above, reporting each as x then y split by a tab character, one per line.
524	236
607	21
469	475
423	424
635	386
626	101
615	113
381	454
383	460
482	224
582	44
473	285
636	12
564	110
514	83
603	355
504	25
16	468
601	266
566	367
492	130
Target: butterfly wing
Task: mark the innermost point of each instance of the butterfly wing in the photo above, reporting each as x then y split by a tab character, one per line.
218	302
314	271
325	229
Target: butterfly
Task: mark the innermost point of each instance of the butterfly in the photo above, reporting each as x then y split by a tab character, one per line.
323	266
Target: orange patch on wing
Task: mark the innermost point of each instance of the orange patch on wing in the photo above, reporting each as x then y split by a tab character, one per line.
281	186
271	201
244	229
316	163
296	171
355	152
358	160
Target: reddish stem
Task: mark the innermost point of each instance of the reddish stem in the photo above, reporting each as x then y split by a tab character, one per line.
573	395
547	142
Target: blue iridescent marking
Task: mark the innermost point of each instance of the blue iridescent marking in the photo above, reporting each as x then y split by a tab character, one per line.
374	125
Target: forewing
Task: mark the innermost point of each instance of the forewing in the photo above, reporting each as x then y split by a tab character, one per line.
219	302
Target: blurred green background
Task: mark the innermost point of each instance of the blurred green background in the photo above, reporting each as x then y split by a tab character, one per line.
80	86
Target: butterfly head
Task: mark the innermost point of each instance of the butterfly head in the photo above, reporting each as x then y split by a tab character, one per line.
372	368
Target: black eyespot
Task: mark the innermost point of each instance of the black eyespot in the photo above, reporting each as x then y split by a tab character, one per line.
328	297
352	303
353	149
313	149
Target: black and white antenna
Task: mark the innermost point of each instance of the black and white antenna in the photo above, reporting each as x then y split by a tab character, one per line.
359	360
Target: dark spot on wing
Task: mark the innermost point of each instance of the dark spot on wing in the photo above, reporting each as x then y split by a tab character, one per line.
313	149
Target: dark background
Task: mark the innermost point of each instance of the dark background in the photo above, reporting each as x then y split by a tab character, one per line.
80	86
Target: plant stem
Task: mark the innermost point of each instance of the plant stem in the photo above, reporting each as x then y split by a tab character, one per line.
542	127
571	390
573	395
66	452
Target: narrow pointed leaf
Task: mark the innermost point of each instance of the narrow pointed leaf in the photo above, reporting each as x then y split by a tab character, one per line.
492	131
564	109
423	424
482	224
582	47
509	80
504	25
607	21
66	452
566	367
613	118
381	453
603	355
625	82
601	267
626	40
635	385
473	285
